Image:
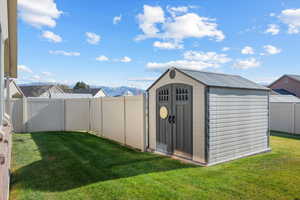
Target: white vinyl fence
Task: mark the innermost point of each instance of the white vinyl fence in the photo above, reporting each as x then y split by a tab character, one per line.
121	119
285	117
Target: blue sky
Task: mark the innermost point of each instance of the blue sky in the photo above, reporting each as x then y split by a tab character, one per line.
130	43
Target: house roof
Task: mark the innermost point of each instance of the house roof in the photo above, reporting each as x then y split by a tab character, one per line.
291	76
219	80
34	91
284	99
92	91
11	81
284	92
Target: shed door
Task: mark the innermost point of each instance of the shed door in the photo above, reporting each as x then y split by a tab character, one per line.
174	129
164	127
182	124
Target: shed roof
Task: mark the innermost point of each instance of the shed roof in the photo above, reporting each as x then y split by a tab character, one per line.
220	80
284	99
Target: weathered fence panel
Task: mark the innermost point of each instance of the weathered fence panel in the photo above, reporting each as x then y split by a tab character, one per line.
77	114
45	115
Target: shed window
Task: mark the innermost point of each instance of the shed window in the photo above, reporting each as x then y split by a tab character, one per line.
182	94
163	95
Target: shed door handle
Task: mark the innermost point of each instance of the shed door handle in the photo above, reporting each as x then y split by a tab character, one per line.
173	119
170	119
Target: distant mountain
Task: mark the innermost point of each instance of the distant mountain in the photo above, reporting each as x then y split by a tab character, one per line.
119	91
110	91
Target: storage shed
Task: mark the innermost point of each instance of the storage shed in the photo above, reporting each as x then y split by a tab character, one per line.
207	117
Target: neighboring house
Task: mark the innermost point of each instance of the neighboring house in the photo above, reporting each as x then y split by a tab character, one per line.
14	90
95	92
8	69
287	84
44	91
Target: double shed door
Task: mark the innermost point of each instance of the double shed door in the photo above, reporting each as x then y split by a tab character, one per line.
174	120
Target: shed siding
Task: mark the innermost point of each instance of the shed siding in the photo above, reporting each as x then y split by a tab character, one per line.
237	123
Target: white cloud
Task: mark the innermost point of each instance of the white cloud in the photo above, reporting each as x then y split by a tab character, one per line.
47	74
64	53
39	13
210	57
273	29
177	10
271	50
149	19
176	28
102	58
126	59
272	14
291	17
225	49
117	19
167	45
24	68
52	37
92	38
247	63
247	50
193	60
187	64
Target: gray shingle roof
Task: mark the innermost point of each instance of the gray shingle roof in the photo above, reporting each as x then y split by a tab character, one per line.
34	91
222	80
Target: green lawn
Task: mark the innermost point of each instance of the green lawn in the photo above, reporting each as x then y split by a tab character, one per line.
71	165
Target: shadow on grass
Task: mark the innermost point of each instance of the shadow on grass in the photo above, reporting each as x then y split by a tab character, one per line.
285	135
74	159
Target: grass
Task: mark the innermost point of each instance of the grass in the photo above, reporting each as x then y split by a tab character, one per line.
71	165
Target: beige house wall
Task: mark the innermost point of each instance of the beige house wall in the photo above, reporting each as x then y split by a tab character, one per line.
198	113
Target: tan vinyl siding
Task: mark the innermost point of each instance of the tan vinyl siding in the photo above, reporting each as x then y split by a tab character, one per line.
238	123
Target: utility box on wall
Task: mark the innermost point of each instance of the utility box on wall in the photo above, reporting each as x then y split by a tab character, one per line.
207	117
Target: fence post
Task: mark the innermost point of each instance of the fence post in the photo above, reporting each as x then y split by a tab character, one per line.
101	116
145	124
64	103
124	118
24	114
294	118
